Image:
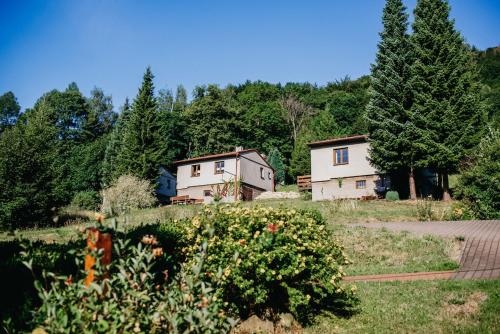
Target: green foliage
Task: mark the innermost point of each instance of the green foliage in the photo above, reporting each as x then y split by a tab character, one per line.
127	193
392	196
275	159
132	297
101	117
89	200
424	209
142	149
489	71
479	182
109	170
273	260
9	110
447	114
387	111
26	158
213	122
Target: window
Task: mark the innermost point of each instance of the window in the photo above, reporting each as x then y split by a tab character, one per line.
340	156
269	175
262	173
361	184
169	183
195	170
207	193
219	167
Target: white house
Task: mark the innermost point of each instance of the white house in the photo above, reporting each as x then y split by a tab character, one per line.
166	185
204	177
340	169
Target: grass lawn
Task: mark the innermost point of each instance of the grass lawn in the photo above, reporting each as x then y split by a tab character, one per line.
420	307
380	251
335	212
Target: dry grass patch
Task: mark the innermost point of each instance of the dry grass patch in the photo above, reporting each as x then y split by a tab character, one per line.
458	309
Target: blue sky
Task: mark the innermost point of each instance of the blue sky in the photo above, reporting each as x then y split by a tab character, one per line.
108	43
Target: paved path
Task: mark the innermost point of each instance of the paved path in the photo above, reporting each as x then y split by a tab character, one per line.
480	257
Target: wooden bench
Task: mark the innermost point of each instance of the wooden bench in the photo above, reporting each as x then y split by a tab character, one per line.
185	200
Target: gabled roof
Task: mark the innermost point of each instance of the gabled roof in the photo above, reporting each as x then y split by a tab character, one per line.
219	156
340	140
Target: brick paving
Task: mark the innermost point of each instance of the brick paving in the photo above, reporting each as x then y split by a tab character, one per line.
480	258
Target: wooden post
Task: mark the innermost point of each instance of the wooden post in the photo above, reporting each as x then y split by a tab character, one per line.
97	240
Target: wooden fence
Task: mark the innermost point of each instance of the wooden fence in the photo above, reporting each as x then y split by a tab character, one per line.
304	182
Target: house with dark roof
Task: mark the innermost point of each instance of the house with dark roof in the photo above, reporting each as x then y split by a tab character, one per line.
340	169
241	174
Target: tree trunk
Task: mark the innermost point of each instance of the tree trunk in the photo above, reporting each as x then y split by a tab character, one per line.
413	192
446	187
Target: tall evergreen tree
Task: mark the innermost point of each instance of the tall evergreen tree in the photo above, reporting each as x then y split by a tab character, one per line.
387	111
447	113
275	159
27	152
180	102
143	146
109	166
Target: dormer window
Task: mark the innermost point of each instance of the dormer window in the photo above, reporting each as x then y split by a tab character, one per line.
341	156
195	170
219	167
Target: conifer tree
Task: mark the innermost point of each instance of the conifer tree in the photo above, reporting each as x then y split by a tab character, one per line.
109	166
275	159
387	111
143	147
447	115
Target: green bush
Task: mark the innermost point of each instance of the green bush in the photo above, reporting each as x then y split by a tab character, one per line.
130	297
479	182
89	200
274	260
392	195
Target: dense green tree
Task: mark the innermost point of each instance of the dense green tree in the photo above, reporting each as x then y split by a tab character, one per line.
9	110
390	98
479	181
214	124
275	159
27	155
447	114
262	117
100	118
110	171
143	146
489	70
165	100
181	101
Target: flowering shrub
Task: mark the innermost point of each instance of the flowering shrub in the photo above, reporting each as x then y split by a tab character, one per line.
127	297
273	260
127	193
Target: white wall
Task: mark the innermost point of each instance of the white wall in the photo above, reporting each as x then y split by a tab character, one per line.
250	164
330	190
323	169
207	173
